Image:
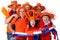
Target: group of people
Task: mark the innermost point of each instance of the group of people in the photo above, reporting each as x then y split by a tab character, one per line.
28	19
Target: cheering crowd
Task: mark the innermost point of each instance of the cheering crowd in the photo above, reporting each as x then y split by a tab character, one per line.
28	19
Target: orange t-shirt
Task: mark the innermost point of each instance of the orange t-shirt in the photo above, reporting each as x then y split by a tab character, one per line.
21	24
12	22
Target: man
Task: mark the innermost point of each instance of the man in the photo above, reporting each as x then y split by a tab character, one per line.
20	24
13	13
45	24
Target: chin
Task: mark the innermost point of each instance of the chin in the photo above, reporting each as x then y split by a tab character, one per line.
32	25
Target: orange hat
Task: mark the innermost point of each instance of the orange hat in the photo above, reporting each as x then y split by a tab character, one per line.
27	4
38	5
47	14
31	15
14	4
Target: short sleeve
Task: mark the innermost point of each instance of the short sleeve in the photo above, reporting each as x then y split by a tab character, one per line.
13	21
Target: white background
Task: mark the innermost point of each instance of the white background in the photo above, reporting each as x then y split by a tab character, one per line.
51	6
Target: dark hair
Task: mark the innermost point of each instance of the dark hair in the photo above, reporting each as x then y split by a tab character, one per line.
35	24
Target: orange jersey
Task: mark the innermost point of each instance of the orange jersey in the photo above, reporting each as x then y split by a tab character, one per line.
21	24
8	30
12	22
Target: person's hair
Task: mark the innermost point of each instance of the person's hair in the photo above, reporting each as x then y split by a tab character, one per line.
35	24
47	16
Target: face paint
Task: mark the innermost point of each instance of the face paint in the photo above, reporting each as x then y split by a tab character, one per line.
32	23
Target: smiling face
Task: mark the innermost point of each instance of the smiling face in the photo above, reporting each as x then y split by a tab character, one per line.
22	12
32	23
27	7
46	18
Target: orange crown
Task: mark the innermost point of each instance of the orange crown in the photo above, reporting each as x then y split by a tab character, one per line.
31	15
48	14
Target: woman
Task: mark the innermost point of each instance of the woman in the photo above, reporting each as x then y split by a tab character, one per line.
45	24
